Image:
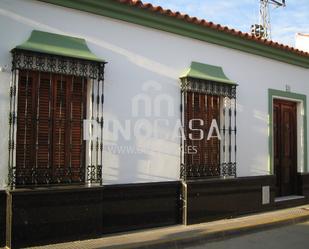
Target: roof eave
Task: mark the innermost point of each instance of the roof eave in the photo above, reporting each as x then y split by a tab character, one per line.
141	16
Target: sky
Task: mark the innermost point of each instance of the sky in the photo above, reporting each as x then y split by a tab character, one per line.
241	14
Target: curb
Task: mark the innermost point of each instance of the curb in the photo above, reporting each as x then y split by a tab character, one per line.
212	236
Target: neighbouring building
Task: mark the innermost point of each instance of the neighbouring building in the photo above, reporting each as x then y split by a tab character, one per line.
302	42
117	115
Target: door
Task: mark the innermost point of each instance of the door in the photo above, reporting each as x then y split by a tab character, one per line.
285	146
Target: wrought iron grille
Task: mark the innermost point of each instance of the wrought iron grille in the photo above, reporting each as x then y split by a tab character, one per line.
208	87
224	164
93	72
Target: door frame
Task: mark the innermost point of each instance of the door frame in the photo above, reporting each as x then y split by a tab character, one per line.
301	102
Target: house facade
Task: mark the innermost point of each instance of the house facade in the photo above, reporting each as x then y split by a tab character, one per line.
301	42
117	115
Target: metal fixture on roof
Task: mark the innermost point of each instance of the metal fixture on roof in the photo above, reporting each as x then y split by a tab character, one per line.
263	29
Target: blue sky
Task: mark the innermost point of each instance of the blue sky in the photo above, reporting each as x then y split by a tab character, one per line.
240	14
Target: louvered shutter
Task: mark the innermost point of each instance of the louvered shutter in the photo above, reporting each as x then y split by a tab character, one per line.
77	114
204	159
60	124
42	129
25	128
50	147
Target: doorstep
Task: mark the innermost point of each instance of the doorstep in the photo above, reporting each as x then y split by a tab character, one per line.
180	236
289	198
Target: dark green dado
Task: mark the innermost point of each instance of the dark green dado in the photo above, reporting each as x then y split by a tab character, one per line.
58	214
46	216
2	217
303	183
225	198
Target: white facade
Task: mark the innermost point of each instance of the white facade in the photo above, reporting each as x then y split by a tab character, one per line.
146	63
302	42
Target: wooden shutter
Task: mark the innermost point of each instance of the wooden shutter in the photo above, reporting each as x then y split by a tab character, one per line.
25	128
206	160
42	129
50	116
60	125
78	112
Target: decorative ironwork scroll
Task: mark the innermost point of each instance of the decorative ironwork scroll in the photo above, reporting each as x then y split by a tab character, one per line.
88	71
208	87
28	60
211	158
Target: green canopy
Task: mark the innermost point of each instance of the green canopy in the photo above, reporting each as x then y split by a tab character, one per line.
206	72
50	43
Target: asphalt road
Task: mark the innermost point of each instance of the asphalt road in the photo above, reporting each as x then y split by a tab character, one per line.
288	237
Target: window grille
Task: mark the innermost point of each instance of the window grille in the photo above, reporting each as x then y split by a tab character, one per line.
206	101
42	84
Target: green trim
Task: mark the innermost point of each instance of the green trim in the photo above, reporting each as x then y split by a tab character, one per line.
272	93
124	12
49	43
206	72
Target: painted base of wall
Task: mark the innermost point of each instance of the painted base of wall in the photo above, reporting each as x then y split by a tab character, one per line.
224	198
53	215
56	215
2	217
213	199
303	183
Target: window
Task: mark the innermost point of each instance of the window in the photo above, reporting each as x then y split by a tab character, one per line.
50	110
203	154
51	75
209	121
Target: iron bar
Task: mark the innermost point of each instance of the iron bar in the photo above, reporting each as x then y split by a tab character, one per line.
91	169
59	128
71	125
10	167
12	123
49	129
235	134
230	131
224	130
97	123
101	77
37	123
14	126
81	129
181	135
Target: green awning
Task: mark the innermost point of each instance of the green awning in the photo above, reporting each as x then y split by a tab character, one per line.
206	72
55	44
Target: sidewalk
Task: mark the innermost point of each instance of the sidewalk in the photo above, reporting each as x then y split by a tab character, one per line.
177	237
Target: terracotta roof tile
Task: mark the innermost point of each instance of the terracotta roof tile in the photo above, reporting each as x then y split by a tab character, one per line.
202	22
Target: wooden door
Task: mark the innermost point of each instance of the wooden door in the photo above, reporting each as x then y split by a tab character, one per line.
285	146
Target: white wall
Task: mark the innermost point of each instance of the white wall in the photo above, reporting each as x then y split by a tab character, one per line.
302	42
142	60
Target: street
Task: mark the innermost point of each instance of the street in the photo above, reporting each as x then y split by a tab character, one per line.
288	237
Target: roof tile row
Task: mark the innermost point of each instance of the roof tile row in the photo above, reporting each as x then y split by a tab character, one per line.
202	22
